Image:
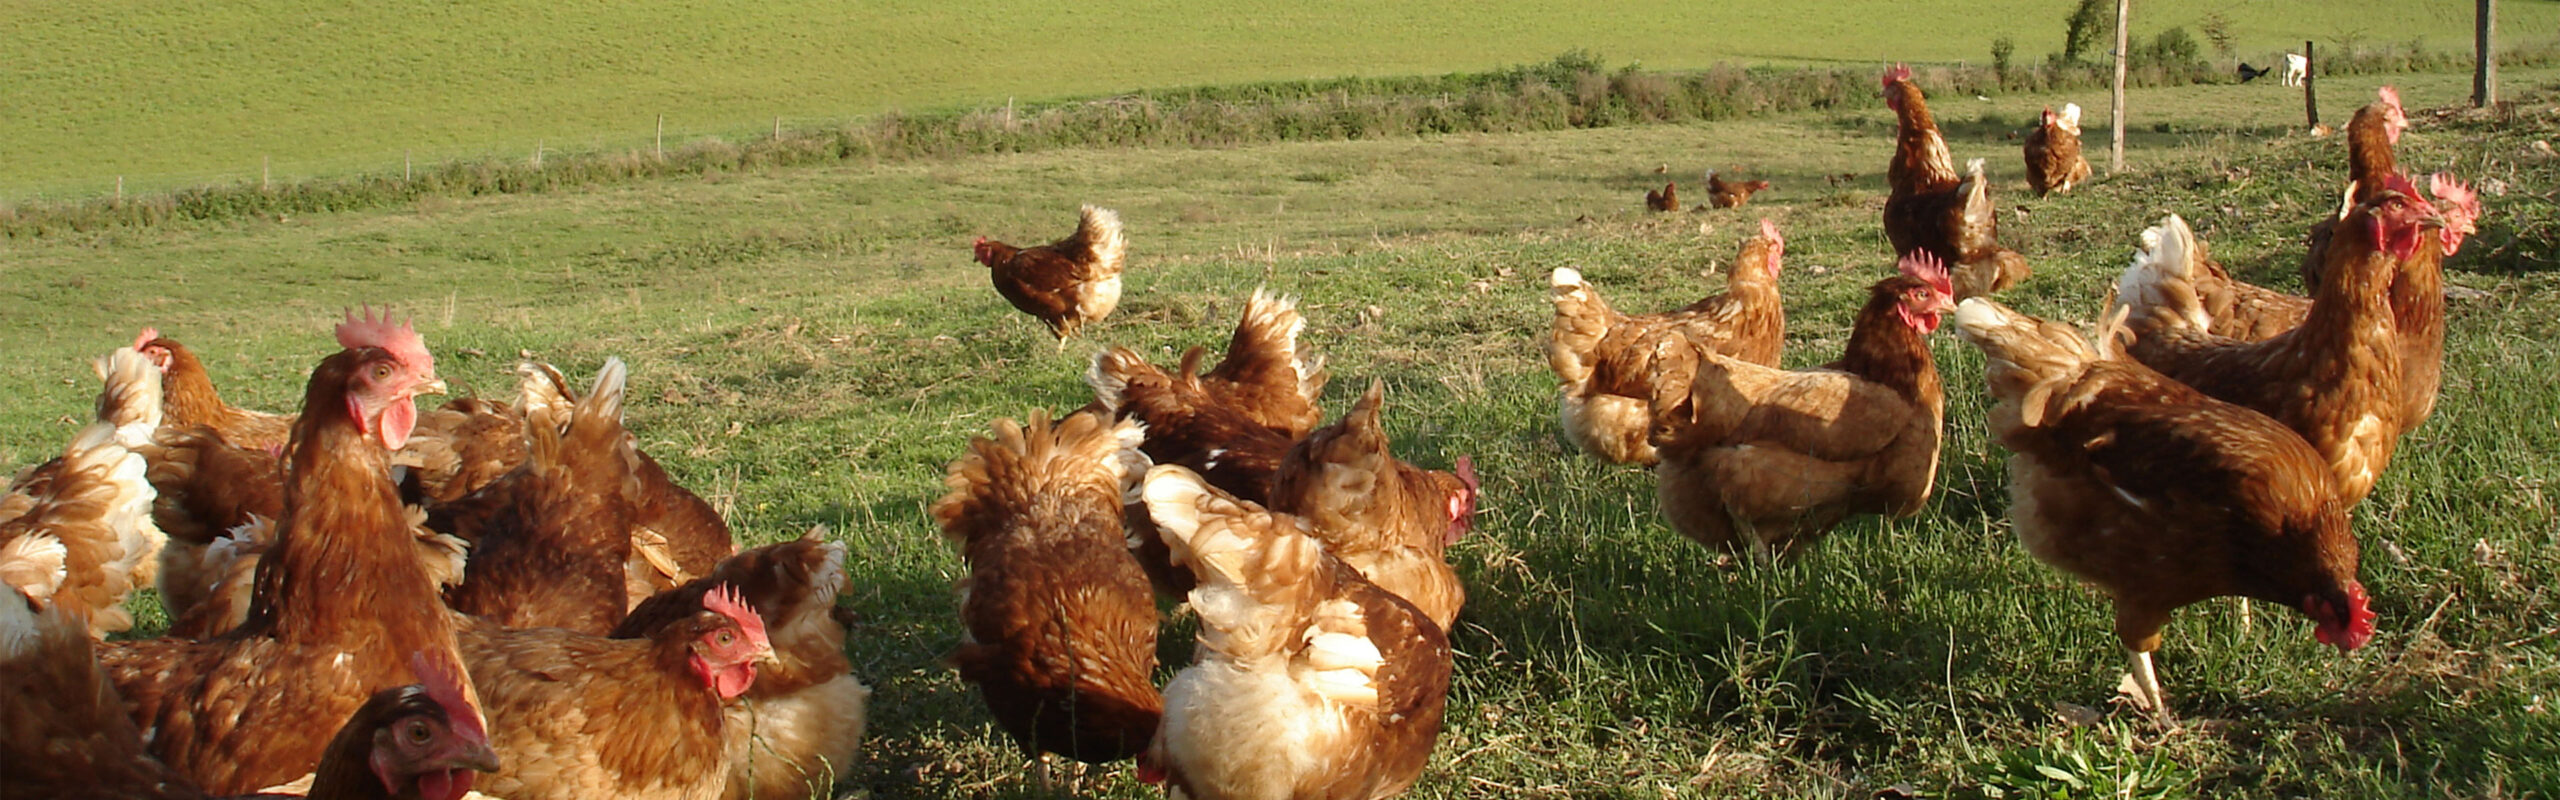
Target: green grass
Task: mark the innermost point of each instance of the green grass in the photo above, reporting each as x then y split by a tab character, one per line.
812	345
171	96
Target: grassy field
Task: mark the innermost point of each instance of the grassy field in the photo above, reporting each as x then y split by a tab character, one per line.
812	346
179	95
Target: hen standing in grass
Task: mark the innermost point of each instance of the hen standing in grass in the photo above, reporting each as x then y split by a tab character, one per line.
1067	284
1722	193
1934	209
2337	379
2053	152
1606	359
1667	199
2160	495
1768	460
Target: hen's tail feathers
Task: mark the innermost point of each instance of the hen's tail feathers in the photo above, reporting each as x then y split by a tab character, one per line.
97	513
2158	292
1255	567
1582	320
543	396
2027	359
1112	371
1979	214
35	564
1354	450
599	411
605	400
131	399
1259	592
1099	238
1023	469
1264	350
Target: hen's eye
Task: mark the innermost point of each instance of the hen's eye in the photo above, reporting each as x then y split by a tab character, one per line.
418	732
724	638
381	372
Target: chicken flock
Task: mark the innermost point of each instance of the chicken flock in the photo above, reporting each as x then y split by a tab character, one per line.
512	599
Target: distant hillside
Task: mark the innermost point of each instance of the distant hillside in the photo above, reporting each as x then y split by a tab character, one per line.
179	94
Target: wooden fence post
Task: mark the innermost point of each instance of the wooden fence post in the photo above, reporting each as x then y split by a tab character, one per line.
2484	74
661	146
2115	144
266	173
2310	98
406	156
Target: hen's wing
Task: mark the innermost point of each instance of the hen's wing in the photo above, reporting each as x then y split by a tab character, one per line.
1583	322
63	729
572	715
86	541
561	562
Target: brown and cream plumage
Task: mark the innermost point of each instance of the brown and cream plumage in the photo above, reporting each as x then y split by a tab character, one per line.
1311	681
2158	494
1605	359
1067	284
1768	460
339	605
1060	628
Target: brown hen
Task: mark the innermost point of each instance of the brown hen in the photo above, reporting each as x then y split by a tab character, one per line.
2160	495
1605	358
1060	628
1767	460
1067	284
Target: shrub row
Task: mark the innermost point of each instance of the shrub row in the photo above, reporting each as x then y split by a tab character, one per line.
1575	90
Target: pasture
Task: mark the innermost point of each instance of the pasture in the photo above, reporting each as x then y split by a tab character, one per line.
171	96
812	345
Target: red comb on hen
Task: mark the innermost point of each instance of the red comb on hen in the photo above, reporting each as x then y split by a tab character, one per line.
1777	244
726	601
2359	622
1925	266
148	334
443	683
397	338
2460	207
1897	72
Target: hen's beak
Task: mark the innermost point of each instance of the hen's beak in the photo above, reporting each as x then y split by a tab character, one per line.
474	756
433	386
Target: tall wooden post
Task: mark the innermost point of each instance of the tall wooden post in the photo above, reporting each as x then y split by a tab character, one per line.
2310	98
2115	143
2484	76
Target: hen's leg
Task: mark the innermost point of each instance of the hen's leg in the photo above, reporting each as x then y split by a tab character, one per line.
2139	630
2146	685
1042	780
